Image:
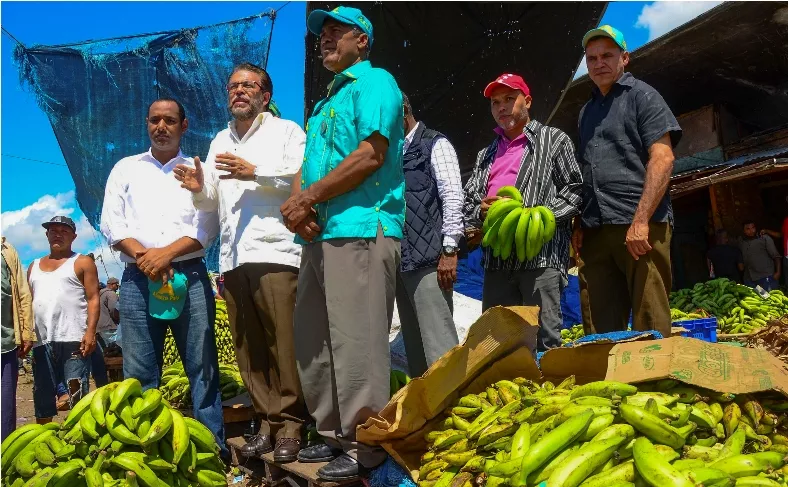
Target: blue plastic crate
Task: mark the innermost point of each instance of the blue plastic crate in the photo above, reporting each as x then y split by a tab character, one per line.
704	329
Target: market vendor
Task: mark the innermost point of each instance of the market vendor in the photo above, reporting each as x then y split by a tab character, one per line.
783	237
540	162
724	259
162	240
433	229
762	266
627	135
352	182
246	177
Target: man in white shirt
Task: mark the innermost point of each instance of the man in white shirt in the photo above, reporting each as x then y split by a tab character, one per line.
433	228
162	237
246	178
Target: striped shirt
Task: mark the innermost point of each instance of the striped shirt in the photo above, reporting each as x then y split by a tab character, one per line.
549	176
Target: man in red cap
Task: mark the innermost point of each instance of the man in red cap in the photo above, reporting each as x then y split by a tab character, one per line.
540	162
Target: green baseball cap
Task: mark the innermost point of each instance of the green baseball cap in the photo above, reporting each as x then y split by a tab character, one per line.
167	300
346	15
606	31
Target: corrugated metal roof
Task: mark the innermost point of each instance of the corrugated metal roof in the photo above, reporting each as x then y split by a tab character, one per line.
741	160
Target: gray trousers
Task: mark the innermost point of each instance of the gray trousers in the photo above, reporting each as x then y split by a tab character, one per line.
540	287
344	305
425	312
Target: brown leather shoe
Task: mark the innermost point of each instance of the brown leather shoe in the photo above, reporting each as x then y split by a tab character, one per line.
286	450
257	445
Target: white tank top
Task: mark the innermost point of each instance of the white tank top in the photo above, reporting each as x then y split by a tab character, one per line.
59	303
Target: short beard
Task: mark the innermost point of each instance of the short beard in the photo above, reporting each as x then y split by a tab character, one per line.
256	106
517	118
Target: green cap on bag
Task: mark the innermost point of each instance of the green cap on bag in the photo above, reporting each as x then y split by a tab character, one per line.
167	300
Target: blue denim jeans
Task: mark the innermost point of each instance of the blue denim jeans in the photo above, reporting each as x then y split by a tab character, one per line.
143	340
767	283
53	363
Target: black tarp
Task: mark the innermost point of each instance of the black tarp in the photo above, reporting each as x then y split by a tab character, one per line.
444	53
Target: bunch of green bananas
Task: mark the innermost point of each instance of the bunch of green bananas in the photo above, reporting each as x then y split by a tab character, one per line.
175	385
224	339
601	434
568	335
738	308
397	380
116	435
509	226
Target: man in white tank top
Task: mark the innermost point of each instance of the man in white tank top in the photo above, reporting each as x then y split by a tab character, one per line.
153	223
66	310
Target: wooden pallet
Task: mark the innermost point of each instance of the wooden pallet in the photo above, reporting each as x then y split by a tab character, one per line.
273	474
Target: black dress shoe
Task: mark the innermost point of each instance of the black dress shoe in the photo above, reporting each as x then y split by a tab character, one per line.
343	467
257	445
318	453
286	450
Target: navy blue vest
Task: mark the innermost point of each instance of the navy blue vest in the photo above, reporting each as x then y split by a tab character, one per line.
423	241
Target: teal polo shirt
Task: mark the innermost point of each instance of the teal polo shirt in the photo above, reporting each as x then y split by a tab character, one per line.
361	100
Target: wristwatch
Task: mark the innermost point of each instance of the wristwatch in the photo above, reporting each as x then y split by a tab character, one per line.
450	250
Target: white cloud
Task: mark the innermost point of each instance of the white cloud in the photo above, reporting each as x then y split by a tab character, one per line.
662	17
23	229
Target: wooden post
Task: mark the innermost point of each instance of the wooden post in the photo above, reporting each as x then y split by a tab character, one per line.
715	213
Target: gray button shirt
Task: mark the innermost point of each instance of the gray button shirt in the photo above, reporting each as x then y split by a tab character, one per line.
616	131
759	254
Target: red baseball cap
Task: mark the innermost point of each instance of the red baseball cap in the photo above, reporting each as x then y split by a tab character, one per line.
509	80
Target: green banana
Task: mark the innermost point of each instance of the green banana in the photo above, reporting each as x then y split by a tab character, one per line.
100	403
604	388
543	473
749	465
521	233
17	433
510	192
757	481
42	478
548	219
77	411
44	455
651	426
159	427
506	232
578	466
119	431
534	236
688	464
499	209
124	390
494	432
88	424
623	429
93	478
23	463
654	468
142	471
551	444
521	440
198	433
16	445
598	424
490	238
661	398
624	472
731	417
709	476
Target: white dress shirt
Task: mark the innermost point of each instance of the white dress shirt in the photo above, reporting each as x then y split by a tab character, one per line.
251	223
144	201
447	176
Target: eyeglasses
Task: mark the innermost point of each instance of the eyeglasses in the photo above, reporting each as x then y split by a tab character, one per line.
244	85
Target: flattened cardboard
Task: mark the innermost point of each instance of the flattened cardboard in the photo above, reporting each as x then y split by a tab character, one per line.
498	346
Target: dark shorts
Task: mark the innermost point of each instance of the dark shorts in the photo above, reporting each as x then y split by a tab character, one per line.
53	363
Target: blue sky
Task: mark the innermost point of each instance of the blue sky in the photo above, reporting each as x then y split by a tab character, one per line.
33	191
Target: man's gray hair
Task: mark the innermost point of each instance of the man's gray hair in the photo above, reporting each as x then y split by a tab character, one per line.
357	32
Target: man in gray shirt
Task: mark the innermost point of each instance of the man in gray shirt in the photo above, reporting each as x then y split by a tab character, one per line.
762	264
109	316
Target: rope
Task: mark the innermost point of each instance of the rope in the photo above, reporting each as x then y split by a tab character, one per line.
165	32
34	160
5	31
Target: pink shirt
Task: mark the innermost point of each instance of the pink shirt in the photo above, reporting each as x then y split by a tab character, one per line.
506	164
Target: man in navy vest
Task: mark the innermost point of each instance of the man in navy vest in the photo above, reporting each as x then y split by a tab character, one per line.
433	228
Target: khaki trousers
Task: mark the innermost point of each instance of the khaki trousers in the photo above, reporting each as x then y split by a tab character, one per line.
260	302
612	282
346	293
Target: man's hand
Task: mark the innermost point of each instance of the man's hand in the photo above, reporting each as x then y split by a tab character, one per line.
486	204
473	236
296	209
308	229
25	348
155	263
776	276
577	240
236	167
191	178
637	240
88	343
447	271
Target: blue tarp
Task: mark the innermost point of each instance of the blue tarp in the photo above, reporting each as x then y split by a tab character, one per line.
470	279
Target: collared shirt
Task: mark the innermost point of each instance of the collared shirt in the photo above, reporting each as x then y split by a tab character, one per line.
21	298
361	100
759	254
548	176
446	167
616	132
506	164
251	223
144	201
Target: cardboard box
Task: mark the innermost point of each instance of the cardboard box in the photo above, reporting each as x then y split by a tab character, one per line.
499	346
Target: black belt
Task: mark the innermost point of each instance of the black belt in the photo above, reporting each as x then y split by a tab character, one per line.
175	265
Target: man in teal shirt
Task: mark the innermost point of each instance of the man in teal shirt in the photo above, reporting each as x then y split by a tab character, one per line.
349	212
